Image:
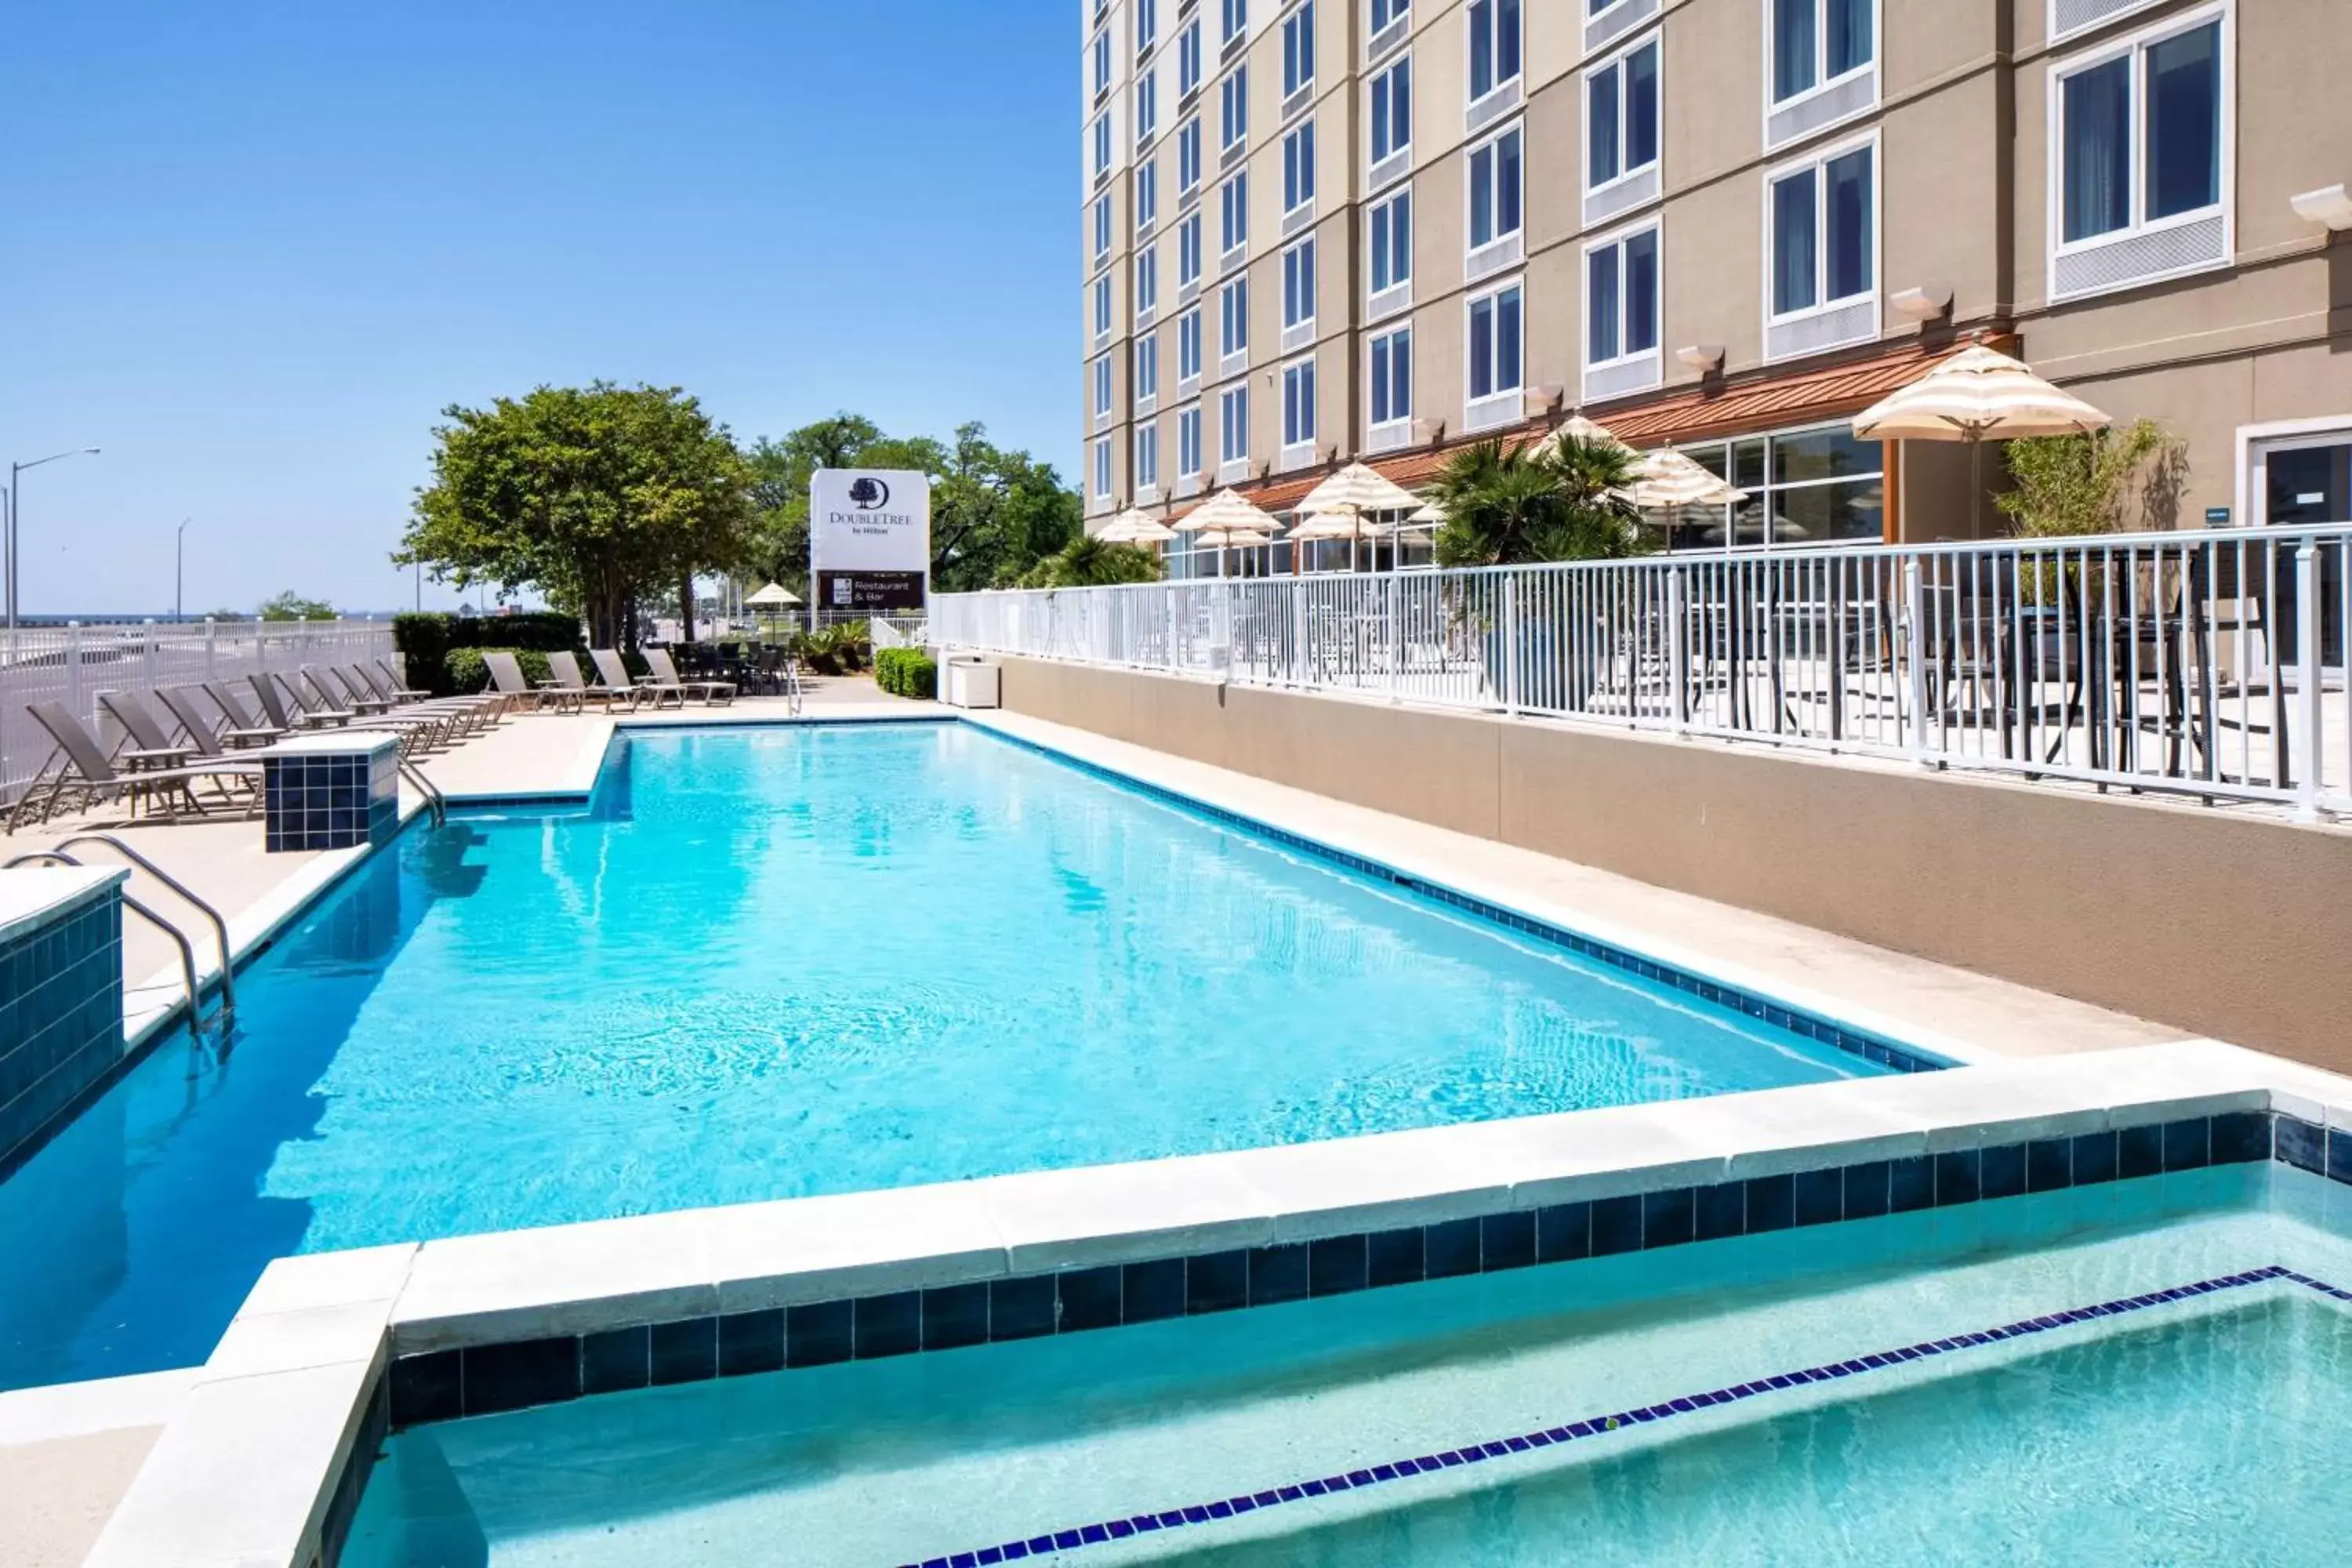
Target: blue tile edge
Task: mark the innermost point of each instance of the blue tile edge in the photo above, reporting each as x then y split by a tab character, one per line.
1871	1048
441	1385
1103	1531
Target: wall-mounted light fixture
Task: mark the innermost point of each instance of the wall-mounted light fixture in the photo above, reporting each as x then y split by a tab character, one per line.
1703	358
1925	303
2332	207
1428	432
1542	399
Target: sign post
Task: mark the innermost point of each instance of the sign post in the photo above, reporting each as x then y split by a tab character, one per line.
869	542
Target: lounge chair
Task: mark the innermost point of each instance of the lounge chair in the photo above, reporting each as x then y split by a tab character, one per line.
148	742
475	710
210	738
665	675
508	681
286	704
336	693
85	776
429	727
617	675
243	720
388	678
566	670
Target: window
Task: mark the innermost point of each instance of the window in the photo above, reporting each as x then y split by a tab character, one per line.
1232	419
1188	156
1146	368
1232	317
1188	59
1392	378
1298	167
1298	403
1621	109
1147	24
1232	212
1236	18
1102	143
1392	109
2140	135
1495	189
1817	41
1494	343
1620	297
1493	45
1187	344
1188	442
1102	62
1824	234
1804	487
1298	284
1147	457
1298	48
1391	242
1102	304
1233	124
1147	282
1102	387
1102	225
1188	251
1386	11
1146	107
1102	469
1147	195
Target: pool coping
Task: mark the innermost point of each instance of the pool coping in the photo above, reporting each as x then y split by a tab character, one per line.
264	1460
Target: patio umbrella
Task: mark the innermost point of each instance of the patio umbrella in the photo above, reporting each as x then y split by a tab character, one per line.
1668	480
769	600
1583	429
1336	508
1135	526
1977	393
1222	514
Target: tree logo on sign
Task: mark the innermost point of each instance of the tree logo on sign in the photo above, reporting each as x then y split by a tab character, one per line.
869	493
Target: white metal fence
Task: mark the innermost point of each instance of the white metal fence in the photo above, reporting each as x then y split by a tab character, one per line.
2207	663
74	662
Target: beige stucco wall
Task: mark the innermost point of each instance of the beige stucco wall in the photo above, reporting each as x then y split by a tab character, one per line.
2219	922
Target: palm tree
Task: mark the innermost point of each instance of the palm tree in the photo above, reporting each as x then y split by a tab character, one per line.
1086	561
1504	505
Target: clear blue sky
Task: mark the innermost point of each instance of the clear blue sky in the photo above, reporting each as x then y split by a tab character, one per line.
252	249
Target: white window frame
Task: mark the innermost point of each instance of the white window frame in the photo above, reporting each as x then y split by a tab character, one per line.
1299	166
1818	160
1102	387
1616	60
1298	399
1102	467
1147	25
1187	60
1103	317
1232	325
1471	97
1374	23
1188	157
1146	193
1615	240
1102	225
1102	143
1377	90
1297	42
1822	81
1474	247
1231	400
1233	109
1147	283
1102	61
1232	213
1147	371
1146	107
1146	459
1398	421
1298	285
2254	444
1374	251
1476	409
1233	21
2135	44
1188	335
1188	249
1189	445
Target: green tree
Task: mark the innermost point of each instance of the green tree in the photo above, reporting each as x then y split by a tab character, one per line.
1504	505
600	496
2069	485
1087	562
292	606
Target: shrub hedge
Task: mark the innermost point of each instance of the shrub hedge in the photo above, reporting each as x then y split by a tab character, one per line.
465	670
907	672
428	638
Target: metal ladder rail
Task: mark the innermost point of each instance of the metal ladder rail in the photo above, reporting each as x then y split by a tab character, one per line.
435	801
793	686
220	925
179	939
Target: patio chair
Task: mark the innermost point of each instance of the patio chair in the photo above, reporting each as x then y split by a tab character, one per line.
720	693
387	676
148	741
335	692
426	726
566	670
85	776
243	720
289	709
473	711
508	680
644	688
209	737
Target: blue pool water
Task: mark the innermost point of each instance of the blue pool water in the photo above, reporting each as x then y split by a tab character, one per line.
771	965
2209	1428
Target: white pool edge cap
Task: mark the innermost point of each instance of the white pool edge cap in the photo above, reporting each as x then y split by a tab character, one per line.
247	1471
32	897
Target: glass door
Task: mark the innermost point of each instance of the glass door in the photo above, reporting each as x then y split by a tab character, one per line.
2302	480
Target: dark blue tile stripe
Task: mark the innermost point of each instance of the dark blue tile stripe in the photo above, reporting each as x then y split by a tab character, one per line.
1592	1427
1795	1021
435	1386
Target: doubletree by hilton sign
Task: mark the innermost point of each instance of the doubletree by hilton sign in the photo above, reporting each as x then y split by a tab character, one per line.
869	540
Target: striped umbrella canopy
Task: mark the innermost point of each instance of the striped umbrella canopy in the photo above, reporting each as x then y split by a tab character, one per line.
1355	491
1226	510
1583	429
1975	394
1665	480
1135	526
1339	525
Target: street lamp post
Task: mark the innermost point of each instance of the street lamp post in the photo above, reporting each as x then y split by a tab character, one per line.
16	490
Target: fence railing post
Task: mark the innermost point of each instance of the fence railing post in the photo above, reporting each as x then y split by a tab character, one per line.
1915	657
1510	642
147	653
74	698
211	633
1677	649
2309	612
1394	594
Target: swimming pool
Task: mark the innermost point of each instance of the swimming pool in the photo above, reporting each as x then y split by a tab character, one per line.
781	963
2148	1369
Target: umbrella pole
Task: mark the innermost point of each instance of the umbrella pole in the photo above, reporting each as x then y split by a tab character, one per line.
1976	481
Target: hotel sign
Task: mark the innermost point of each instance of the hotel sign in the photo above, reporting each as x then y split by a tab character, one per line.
869	540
